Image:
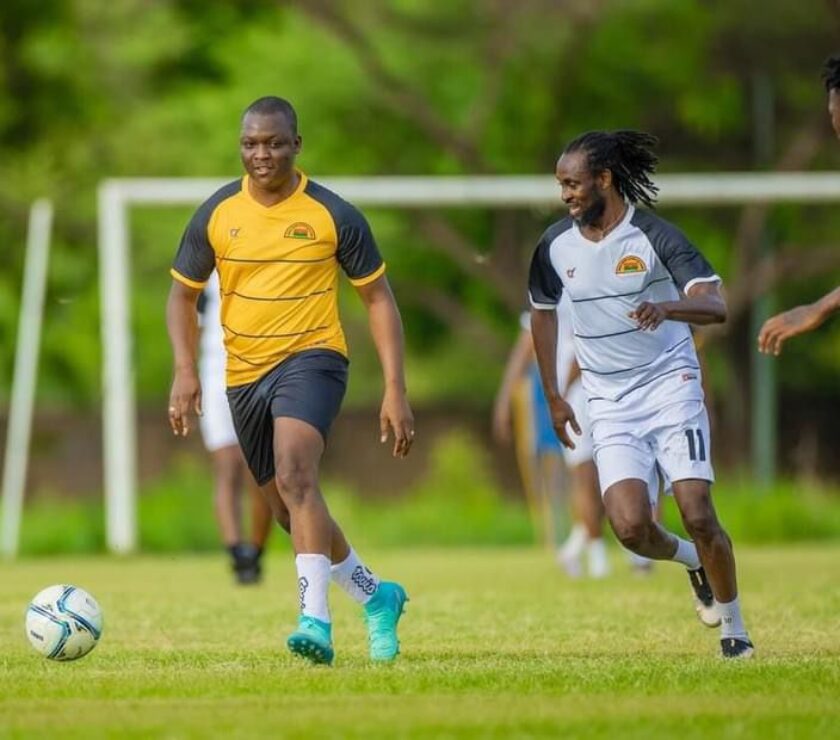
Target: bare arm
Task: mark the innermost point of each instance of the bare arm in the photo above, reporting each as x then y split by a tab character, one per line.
777	329
703	304
386	329
544	334
182	324
520	355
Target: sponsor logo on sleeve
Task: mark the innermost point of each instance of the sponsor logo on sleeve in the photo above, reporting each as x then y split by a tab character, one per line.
630	265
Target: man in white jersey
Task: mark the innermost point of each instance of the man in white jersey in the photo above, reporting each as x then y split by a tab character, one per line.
230	471
635	283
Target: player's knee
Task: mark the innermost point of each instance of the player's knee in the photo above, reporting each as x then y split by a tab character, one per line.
294	483
702	525
632	534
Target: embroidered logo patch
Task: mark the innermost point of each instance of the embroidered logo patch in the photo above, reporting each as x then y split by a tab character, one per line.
570	273
630	265
300	230
234	233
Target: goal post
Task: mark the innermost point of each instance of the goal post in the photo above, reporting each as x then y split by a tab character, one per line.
116	196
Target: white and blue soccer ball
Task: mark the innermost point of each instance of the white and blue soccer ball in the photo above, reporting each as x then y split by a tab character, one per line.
63	622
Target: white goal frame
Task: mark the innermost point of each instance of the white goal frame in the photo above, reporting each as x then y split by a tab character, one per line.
117	196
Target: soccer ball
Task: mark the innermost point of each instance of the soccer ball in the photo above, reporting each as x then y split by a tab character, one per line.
63	622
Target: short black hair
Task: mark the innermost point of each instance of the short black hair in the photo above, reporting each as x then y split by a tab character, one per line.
628	155
831	73
270	105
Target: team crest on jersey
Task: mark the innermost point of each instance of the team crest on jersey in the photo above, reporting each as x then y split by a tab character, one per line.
630	265
300	230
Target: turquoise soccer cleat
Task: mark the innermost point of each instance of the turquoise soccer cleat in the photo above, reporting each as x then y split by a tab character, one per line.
382	614
312	640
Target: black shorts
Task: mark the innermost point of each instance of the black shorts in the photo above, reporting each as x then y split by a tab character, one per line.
308	386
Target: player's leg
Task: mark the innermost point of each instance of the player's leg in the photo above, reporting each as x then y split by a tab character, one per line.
627	503
683	449
625	460
694	500
298	447
225	498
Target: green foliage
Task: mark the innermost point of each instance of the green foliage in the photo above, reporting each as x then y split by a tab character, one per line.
93	89
457	503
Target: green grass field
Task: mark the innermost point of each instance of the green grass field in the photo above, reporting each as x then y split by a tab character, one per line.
496	643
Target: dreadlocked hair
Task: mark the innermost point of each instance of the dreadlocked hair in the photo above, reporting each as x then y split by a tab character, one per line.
831	73
628	155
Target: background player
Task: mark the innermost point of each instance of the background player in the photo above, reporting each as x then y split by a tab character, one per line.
278	240
230	472
587	512
635	282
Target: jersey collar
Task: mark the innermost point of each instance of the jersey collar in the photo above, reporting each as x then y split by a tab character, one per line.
301	186
619	227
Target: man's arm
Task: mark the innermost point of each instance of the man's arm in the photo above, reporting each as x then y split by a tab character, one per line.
386	329
777	329
182	324
703	304
517	363
544	335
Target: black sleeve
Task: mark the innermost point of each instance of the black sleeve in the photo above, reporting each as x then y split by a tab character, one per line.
357	252
544	284
680	257
195	258
356	249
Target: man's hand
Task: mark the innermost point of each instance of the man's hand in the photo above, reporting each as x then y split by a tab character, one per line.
785	325
396	416
649	315
184	397
562	414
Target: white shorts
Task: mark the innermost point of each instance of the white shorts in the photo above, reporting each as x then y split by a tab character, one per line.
676	437
576	398
216	422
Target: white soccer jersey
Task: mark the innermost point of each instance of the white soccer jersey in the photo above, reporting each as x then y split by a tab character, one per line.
644	258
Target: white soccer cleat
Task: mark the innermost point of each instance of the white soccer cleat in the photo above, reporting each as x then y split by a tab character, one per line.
704	600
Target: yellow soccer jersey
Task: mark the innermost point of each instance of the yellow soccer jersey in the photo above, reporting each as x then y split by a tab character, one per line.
278	270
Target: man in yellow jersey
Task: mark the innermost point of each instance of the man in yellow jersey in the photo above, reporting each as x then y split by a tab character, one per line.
277	240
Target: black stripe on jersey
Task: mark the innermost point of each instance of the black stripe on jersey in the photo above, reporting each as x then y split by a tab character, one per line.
642	385
278	298
234	259
274	336
635	367
605	336
620	295
247	362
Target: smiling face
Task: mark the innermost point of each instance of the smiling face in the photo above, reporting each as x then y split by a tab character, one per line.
583	191
268	146
834	109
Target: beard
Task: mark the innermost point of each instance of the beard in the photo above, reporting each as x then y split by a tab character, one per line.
593	214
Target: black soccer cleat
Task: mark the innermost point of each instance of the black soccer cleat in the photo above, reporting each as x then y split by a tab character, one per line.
735	647
246	564
704	600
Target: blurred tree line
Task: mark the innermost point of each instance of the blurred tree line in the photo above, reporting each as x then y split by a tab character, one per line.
94	89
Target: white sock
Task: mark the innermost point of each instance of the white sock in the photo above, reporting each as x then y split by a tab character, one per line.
313	583
355	578
599	565
575	542
686	554
731	623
